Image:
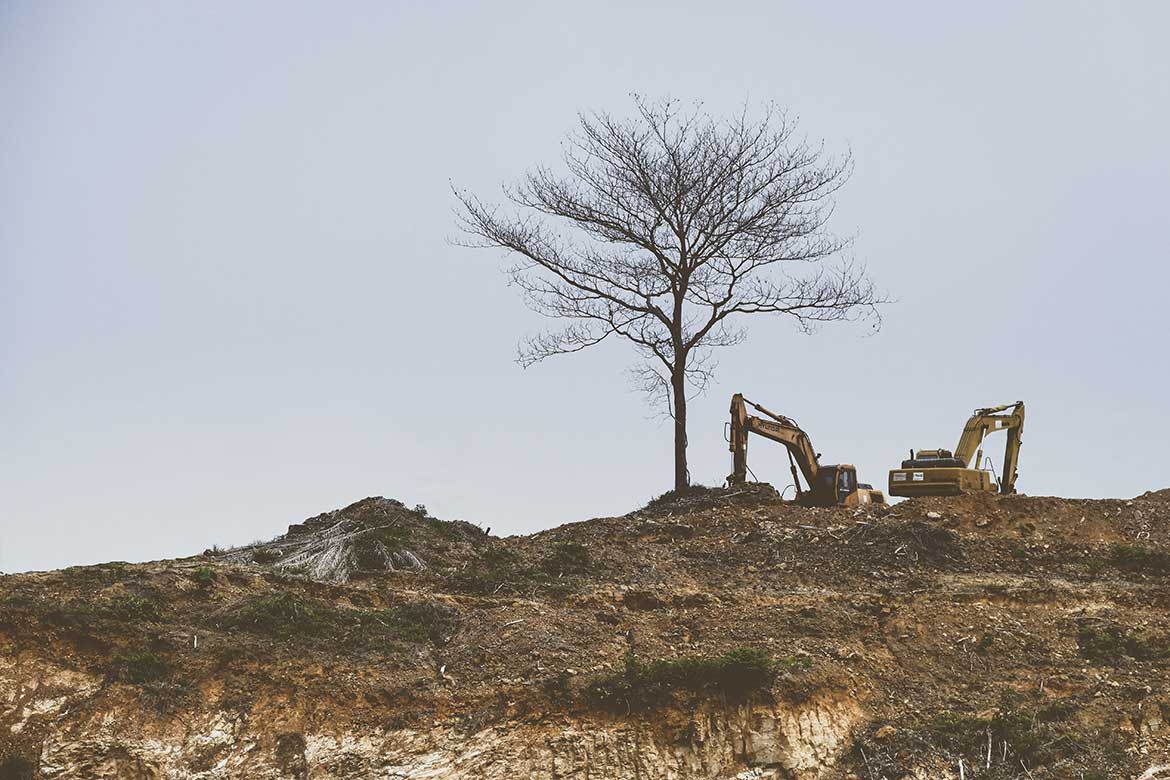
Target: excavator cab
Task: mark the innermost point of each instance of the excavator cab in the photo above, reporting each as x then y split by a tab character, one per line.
835	485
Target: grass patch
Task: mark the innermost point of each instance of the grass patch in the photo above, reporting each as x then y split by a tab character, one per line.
1140	560
265	555
498	570
1107	645
137	666
567	558
79	613
282	615
204	576
288	615
131	607
419	622
495	569
643	685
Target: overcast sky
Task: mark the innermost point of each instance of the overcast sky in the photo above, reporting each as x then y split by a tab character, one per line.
228	302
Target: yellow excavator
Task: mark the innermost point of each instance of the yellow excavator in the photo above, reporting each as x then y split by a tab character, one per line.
945	473
827	485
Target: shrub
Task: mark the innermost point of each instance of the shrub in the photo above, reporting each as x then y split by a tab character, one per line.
567	558
204	576
1108	644
490	572
418	622
734	675
282	615
131	607
265	555
137	666
1140	560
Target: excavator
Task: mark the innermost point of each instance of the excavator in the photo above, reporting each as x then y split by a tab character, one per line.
944	473
827	485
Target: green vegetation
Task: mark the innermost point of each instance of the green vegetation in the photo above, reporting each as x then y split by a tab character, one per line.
1107	644
1140	560
131	607
80	612
418	622
1035	736
137	666
642	685
282	615
265	555
567	558
286	615
204	576
493	570
500	570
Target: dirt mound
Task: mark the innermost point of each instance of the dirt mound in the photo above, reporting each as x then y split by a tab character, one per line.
372	535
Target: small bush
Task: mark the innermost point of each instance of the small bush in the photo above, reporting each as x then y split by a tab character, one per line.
265	555
494	570
204	576
419	622
1140	560
137	666
1105	644
735	675
282	615
79	612
131	607
567	558
453	530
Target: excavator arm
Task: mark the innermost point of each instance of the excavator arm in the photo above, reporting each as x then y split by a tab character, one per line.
779	429
985	421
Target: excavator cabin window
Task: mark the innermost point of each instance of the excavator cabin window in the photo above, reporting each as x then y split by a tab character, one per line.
845	484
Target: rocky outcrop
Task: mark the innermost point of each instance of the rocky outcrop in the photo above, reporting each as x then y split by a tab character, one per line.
797	743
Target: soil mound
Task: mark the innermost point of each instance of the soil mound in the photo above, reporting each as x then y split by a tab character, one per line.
372	535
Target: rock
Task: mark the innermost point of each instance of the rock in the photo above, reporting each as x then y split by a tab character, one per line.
933	516
885	732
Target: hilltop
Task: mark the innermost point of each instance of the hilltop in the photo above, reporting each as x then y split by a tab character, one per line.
724	634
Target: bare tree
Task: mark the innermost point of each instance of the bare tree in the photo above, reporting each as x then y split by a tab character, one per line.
681	224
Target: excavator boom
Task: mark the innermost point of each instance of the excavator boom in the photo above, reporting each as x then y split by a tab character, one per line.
827	485
938	472
779	429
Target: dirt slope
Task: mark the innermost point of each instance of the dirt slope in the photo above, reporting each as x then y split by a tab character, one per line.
722	635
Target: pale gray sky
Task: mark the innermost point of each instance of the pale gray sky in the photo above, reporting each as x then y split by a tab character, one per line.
227	301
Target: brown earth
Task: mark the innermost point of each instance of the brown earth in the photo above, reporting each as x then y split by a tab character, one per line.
982	636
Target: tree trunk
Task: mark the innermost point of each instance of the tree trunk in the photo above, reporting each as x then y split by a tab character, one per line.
679	393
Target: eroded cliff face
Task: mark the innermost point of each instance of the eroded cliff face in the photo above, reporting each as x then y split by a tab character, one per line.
126	741
728	636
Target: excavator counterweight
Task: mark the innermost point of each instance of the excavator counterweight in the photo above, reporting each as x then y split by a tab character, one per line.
827	485
945	473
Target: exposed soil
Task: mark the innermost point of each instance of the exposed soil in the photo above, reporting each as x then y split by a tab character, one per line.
1024	636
